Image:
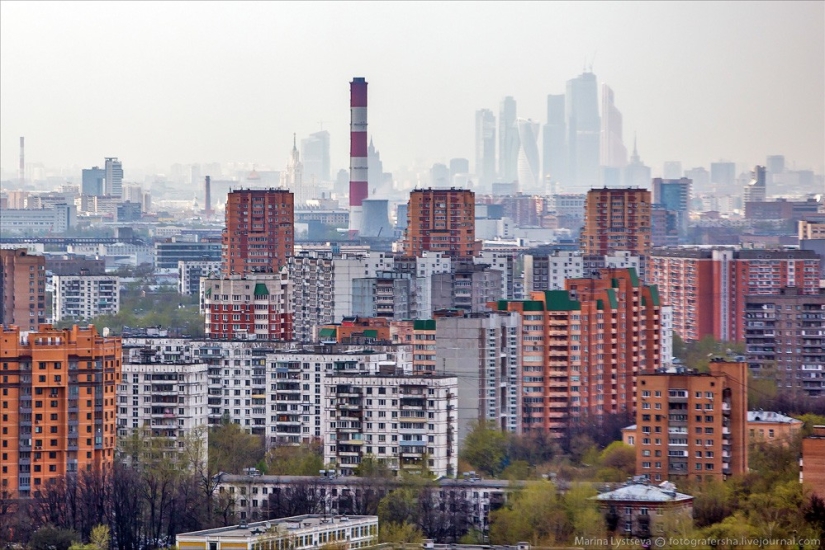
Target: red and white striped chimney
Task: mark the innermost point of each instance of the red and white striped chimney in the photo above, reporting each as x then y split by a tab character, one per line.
358	182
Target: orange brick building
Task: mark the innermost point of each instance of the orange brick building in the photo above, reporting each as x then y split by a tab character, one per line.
693	425
812	461
58	404
583	347
22	289
441	220
616	219
352	330
259	233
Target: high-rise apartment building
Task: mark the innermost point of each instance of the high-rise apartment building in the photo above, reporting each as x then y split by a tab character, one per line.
190	273
167	401
554	148
255	306
508	141
693	426
114	177
441	220
22	289
407	422
94	181
322	289
58	405
315	152
259	233
708	288
785	340
483	351
613	152
583	347
84	297
616	219
583	126
485	167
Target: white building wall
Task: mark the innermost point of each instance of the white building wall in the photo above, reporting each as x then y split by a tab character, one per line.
82	297
666	336
401	420
167	399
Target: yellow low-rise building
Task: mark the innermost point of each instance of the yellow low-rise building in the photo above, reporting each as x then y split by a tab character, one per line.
293	533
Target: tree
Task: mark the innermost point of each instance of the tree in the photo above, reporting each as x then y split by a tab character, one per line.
99	540
535	514
231	449
400	533
301	460
49	537
485	447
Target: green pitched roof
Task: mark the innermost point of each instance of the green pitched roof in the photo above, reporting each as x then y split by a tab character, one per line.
634	277
654	294
327	333
559	300
611	296
370	333
261	290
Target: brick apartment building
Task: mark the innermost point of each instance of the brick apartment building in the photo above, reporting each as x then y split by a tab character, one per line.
253	306
785	339
259	233
22	289
58	404
692	425
709	287
583	347
616	219
441	220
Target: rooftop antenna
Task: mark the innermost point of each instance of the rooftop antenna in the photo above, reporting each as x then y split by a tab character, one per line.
593	60
321	122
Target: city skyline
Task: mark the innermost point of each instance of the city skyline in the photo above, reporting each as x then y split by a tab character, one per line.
213	97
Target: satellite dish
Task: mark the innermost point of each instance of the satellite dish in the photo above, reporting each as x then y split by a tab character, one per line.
105	332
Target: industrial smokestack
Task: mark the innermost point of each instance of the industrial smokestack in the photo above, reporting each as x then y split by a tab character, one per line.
358	182
22	168
207	196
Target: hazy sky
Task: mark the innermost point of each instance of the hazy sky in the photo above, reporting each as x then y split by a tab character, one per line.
161	82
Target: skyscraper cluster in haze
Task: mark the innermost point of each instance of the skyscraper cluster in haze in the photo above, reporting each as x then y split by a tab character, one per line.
581	146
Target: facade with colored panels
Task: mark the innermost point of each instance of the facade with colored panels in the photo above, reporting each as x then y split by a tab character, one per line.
22	289
58	405
255	306
259	234
709	287
582	348
441	220
691	425
616	219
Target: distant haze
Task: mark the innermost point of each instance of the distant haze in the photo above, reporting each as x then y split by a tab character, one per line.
161	82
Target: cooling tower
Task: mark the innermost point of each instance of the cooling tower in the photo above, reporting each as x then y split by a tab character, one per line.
375	219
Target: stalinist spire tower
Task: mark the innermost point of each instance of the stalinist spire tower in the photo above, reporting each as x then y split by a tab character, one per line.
291	178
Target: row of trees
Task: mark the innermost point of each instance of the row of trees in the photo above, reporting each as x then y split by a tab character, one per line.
494	453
